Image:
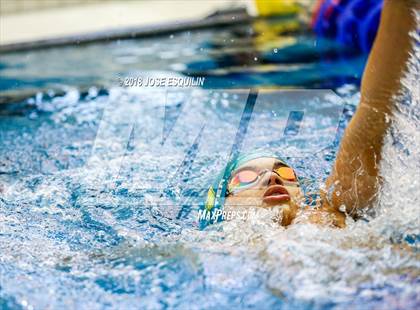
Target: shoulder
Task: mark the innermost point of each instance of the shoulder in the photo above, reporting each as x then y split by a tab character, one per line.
322	216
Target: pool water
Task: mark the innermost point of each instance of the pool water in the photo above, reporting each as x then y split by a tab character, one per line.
100	184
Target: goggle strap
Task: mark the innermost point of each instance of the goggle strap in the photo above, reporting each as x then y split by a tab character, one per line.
211	199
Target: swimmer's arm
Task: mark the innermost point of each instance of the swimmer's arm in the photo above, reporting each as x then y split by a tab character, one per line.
355	178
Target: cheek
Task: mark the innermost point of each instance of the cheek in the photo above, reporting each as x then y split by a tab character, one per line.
251	193
245	199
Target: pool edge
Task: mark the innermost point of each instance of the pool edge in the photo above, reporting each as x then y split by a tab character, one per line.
215	20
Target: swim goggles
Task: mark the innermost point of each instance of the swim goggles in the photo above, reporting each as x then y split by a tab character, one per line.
247	177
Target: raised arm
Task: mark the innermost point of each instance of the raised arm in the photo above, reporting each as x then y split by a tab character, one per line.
355	179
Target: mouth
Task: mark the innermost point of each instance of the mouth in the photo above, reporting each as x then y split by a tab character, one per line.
276	194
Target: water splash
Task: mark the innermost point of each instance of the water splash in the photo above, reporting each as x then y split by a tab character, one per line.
72	238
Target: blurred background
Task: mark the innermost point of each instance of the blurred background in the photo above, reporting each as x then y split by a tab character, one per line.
23	20
45	44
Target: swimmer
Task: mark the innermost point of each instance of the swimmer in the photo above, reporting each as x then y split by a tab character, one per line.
264	181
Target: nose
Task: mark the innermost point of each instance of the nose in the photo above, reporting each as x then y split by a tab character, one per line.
272	178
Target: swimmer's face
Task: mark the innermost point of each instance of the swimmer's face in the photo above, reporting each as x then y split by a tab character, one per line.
265	182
